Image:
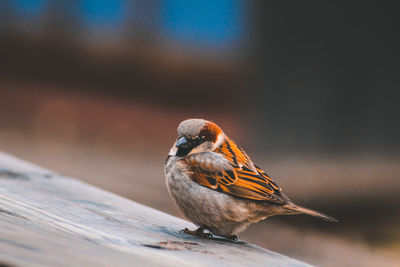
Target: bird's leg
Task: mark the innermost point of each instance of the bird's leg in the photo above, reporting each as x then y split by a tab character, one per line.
198	232
232	237
187	231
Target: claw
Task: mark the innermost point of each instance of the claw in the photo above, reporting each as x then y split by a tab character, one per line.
187	231
198	232
233	237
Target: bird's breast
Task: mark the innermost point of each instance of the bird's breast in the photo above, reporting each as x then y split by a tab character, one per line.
220	212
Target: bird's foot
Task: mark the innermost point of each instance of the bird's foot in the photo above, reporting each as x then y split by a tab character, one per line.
232	237
198	232
187	231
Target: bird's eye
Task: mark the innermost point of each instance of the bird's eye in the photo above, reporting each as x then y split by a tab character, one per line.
185	145
198	141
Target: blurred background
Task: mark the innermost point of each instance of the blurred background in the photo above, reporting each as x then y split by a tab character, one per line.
95	89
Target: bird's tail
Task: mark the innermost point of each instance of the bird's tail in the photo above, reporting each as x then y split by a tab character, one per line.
296	209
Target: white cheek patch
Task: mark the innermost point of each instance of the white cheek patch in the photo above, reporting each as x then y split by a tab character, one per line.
220	140
173	150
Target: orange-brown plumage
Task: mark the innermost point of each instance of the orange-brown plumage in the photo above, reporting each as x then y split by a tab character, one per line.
210	131
243	180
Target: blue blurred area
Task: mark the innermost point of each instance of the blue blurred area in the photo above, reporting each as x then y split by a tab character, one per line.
29	9
103	14
204	23
201	24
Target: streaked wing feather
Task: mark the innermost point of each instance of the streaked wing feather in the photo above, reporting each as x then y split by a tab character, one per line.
235	155
234	176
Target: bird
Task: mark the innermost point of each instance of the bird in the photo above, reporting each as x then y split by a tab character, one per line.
218	187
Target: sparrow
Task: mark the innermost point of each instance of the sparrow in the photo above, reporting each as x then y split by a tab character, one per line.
218	187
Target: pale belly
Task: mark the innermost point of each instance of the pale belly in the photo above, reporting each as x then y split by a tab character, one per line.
221	213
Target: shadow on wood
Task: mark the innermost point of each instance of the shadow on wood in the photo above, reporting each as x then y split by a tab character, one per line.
47	219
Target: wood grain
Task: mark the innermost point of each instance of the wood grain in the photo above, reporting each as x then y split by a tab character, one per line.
47	219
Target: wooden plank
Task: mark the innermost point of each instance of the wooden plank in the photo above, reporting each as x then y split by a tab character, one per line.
47	219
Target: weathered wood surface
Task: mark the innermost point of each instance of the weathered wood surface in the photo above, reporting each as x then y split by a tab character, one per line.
47	219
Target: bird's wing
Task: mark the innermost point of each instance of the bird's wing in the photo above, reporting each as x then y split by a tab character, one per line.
215	171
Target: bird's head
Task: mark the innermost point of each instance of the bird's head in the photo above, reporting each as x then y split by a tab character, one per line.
197	135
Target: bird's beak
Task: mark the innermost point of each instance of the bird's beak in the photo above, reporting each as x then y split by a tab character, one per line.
181	141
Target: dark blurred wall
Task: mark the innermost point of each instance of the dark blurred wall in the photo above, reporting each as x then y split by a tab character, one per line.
327	74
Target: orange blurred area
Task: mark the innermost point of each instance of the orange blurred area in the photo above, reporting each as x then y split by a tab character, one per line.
75	117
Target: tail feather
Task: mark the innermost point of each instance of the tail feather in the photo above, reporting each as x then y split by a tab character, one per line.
295	209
